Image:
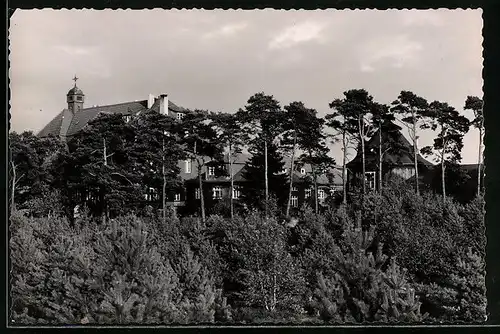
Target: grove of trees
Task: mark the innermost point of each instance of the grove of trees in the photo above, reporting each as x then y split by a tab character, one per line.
395	254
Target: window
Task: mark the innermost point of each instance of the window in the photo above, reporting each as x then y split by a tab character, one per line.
187	166
150	194
295	201
217	192
302	171
180	116
79	98
370	179
308	193
321	194
236	193
177	197
197	193
283	171
211	171
127	118
295	189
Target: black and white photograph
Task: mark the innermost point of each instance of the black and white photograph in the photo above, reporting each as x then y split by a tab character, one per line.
192	167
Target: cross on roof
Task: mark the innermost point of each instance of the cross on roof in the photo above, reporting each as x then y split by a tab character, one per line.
74	79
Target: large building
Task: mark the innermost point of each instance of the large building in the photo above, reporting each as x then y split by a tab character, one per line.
216	188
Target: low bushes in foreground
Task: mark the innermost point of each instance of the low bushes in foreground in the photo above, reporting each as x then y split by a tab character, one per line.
415	261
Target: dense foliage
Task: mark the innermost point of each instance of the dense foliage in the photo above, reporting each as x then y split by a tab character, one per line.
93	240
419	260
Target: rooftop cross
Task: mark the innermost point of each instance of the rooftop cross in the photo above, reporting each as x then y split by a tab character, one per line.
74	79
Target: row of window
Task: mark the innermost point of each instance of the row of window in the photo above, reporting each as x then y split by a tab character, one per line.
179	116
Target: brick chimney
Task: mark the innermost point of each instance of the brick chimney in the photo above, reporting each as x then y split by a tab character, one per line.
151	100
163	104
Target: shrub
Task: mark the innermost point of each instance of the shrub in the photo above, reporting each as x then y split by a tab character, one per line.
104	274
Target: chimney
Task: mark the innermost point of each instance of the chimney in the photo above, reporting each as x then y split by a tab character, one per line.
163	104
151	100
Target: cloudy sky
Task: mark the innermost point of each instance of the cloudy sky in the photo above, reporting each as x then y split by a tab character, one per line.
217	59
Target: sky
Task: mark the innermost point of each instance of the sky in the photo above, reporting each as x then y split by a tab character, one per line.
217	59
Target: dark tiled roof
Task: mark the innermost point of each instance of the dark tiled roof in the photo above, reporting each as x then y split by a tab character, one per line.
53	127
404	156
84	116
171	106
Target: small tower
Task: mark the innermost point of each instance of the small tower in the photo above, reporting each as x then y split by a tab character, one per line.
75	98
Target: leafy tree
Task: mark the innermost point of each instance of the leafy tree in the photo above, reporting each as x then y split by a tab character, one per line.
100	163
262	118
413	109
156	152
449	142
200	142
231	133
31	160
475	104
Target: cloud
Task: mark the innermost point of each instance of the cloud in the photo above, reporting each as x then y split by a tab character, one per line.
421	18
296	34
226	30
75	50
396	51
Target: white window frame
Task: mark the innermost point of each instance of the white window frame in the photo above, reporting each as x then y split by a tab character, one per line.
236	193
294	201
321	194
307	192
302	171
284	171
211	171
180	116
217	192
371	184
187	166
197	193
295	188
177	197
127	118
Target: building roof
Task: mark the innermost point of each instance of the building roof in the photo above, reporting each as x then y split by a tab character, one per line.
403	156
82	117
75	91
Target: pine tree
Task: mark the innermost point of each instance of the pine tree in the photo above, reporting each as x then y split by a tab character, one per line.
253	191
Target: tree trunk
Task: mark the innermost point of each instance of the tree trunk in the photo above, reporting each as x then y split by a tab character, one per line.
380	159
479	161
415	153
443	184
291	176
362	139
232	182
13	191
266	178
105	206
443	178
315	189
164	192
202	200
344	174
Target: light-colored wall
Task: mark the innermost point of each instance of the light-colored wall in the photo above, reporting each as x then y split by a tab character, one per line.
405	172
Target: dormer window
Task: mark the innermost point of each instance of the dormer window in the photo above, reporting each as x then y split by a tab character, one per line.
127	118
303	171
187	166
180	116
211	171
